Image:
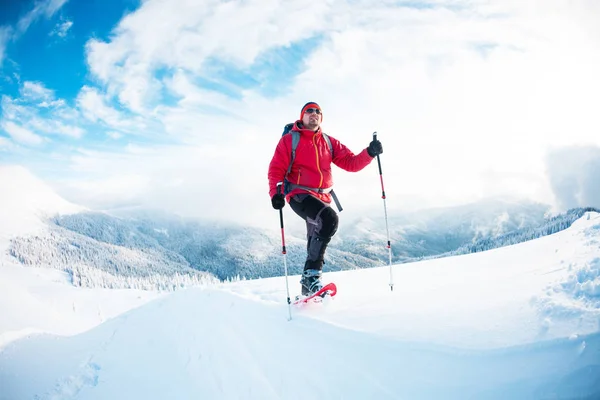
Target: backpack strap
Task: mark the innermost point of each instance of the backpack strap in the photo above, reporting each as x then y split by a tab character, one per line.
328	143
295	141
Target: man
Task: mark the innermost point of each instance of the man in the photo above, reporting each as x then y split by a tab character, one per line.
309	182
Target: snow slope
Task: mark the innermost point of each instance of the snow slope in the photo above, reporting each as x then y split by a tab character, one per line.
43	300
520	322
25	202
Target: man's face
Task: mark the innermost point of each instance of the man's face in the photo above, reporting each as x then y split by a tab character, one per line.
312	118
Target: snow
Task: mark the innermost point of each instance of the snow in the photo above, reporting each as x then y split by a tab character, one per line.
25	202
519	322
43	300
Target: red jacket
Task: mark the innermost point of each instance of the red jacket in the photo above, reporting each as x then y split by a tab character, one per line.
312	165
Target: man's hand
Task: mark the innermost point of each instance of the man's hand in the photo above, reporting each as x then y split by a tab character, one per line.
375	148
278	201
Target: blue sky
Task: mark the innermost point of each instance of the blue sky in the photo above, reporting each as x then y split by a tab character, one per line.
45	47
150	103
52	49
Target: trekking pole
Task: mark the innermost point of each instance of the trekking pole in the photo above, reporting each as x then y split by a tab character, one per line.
283	251
389	246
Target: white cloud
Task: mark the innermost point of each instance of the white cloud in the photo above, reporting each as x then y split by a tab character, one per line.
184	36
20	134
12	110
72	131
467	97
5	33
54	127
203	181
60	103
37	94
39	111
36	91
62	29
124	189
574	175
114	135
41	8
458	124
94	107
5	143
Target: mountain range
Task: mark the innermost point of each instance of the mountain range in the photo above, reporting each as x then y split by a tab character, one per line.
149	249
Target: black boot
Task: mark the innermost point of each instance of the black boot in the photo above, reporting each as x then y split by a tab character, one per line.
311	281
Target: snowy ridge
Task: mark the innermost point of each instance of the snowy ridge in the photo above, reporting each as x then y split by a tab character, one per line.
26	202
29	235
548	227
49	303
577	294
170	357
489	325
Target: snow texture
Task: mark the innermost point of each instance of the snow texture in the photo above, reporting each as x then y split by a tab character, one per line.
518	322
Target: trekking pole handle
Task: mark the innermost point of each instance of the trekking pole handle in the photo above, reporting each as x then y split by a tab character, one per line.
279	184
378	160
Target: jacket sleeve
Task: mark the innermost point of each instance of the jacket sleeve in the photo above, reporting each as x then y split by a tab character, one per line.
347	160
279	163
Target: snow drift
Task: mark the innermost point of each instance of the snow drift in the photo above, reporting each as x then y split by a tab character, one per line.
519	322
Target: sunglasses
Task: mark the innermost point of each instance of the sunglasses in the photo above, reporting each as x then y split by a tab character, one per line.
313	110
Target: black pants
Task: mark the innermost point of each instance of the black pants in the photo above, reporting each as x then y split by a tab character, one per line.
321	225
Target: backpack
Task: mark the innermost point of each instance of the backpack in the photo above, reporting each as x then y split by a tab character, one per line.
296	139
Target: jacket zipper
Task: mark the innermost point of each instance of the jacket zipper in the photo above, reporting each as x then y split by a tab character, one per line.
317	154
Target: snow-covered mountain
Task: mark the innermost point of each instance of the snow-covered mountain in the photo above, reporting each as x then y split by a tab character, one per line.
26	202
101	249
248	252
30	235
518	322
432	232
